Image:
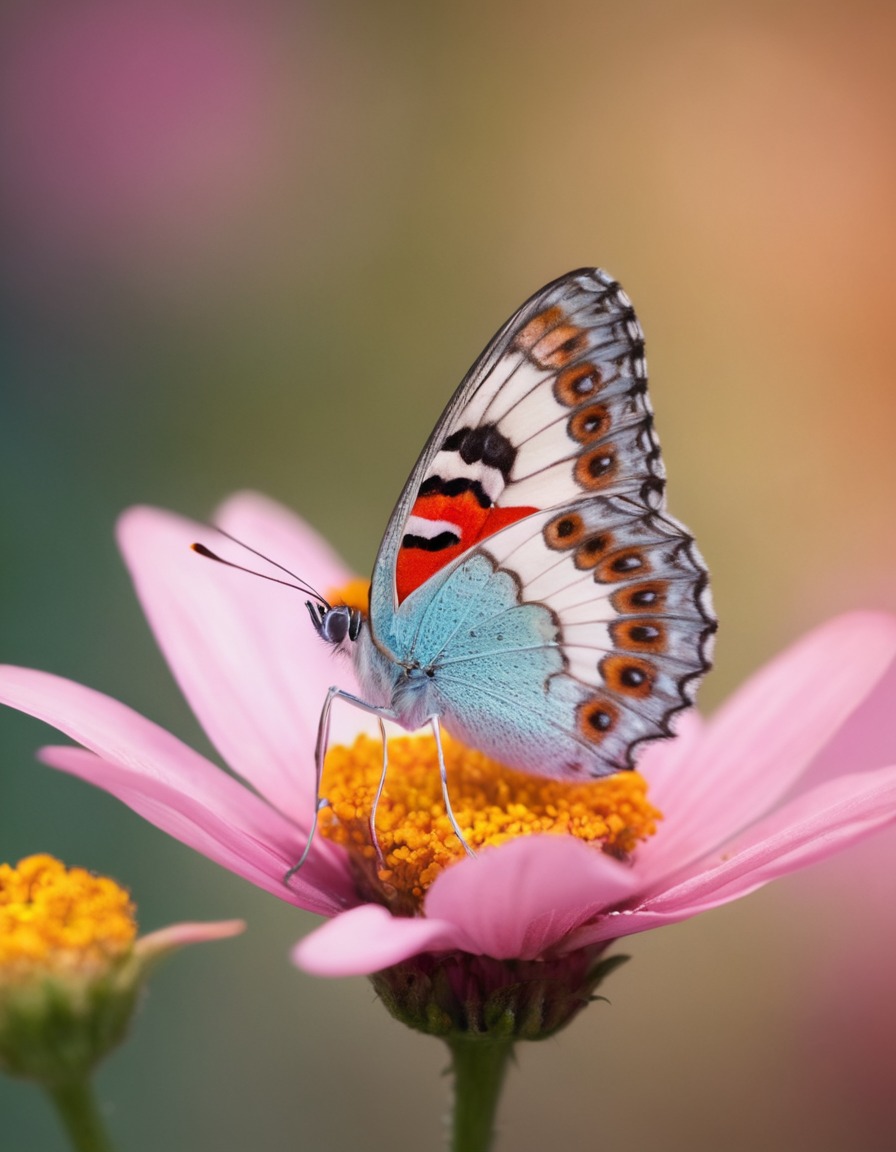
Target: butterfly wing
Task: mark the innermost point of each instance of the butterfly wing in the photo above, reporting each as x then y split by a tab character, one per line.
572	648
529	563
554	409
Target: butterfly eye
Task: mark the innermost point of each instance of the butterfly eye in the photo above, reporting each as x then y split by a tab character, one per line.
577	384
334	623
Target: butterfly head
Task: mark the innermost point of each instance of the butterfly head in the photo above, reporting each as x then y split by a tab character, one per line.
335	622
332	622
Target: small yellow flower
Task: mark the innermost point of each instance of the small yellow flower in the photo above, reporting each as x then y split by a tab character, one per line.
71	967
60	922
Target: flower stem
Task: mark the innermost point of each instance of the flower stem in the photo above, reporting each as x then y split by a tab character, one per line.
479	1065
77	1109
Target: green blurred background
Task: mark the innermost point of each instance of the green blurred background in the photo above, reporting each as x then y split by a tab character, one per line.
258	244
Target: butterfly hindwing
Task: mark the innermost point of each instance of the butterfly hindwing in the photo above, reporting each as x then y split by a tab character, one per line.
626	589
559	618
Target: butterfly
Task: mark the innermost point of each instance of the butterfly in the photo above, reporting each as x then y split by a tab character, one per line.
531	592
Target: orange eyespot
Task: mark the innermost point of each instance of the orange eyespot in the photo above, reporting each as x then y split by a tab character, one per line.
650	596
550	341
628	675
578	383
589	424
558	348
592	550
596	717
597	468
626	564
564	531
529	335
639	635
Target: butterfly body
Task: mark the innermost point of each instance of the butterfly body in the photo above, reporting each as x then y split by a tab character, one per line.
452	649
531	592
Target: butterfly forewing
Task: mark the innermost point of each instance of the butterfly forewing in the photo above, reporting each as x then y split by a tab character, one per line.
554	409
529	565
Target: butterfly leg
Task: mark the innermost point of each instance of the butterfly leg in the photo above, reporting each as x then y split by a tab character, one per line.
381	863
443	776
320	752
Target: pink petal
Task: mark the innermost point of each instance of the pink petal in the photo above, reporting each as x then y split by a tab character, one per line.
515	901
176	788
248	845
164	940
664	763
810	828
242	649
522	898
866	740
761	742
369	938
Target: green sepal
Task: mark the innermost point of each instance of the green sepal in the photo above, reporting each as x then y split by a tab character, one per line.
458	994
54	1029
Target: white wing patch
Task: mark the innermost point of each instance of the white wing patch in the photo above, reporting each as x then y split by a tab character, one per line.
425	529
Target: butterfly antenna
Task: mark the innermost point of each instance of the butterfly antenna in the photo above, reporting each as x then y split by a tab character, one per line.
305	586
209	555
300	584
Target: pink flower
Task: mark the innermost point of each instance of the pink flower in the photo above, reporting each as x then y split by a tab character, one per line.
790	770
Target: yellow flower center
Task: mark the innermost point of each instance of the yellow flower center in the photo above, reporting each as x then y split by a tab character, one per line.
491	803
354	594
59	921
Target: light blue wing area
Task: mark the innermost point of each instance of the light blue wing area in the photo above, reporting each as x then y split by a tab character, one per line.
494	661
474	608
564	642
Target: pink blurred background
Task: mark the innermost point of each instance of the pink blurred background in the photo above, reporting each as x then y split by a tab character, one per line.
258	244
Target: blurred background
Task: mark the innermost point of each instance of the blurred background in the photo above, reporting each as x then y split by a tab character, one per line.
257	245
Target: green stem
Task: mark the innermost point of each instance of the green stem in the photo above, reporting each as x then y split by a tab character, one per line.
77	1109
479	1065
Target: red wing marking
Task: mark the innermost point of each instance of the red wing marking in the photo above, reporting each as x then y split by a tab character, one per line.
439	529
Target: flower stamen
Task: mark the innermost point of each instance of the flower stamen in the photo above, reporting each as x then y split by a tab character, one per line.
491	803
60	921
354	594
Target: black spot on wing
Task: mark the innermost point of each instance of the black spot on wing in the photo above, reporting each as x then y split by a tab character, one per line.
485	444
431	543
455	487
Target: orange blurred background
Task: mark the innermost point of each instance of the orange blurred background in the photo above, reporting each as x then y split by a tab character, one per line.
258	244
